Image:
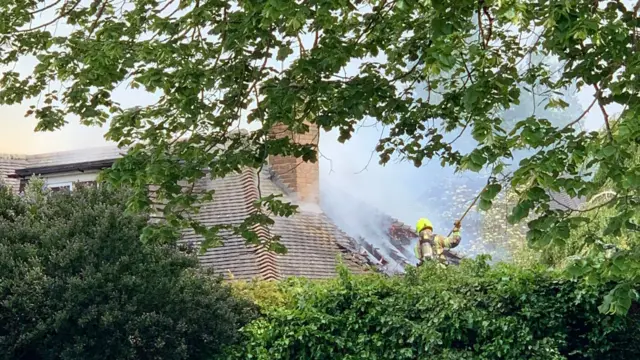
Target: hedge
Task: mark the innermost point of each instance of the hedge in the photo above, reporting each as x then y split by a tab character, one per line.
469	312
76	282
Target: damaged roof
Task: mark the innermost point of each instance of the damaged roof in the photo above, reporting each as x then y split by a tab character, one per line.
386	241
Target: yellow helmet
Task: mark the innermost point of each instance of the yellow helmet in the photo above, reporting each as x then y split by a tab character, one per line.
422	224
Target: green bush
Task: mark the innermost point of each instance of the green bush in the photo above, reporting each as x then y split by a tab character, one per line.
469	312
76	282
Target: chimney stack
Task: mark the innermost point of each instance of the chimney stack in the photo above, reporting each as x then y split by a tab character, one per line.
301	177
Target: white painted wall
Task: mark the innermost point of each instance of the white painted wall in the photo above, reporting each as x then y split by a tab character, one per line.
64	179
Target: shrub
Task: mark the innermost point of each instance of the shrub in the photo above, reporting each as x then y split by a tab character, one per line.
76	282
467	312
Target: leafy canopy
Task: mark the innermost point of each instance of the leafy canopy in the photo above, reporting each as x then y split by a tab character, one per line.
425	68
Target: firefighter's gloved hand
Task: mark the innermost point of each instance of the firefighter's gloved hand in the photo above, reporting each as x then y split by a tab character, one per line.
456	225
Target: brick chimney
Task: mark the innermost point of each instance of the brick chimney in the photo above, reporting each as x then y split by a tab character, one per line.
301	177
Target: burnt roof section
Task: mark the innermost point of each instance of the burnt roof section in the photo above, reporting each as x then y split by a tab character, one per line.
385	240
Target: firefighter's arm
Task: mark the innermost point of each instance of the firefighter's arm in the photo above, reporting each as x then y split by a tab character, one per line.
451	241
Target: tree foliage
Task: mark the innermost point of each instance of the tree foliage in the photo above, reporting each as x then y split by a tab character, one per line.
76	283
468	312
213	63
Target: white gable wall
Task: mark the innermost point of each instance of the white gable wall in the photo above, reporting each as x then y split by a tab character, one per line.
63	179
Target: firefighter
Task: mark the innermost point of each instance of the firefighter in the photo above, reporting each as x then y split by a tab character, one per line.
431	246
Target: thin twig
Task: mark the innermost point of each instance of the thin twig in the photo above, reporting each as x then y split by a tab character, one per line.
372	153
63	13
302	49
584	113
330	161
45	8
530	50
598	96
461	132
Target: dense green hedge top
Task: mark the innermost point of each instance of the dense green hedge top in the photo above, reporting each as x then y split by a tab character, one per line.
76	282
467	312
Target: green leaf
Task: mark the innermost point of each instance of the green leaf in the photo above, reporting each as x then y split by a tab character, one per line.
471	97
490	192
484	204
609	150
556	103
477	158
283	53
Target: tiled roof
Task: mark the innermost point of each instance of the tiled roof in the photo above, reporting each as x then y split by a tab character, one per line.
73	156
312	240
8	164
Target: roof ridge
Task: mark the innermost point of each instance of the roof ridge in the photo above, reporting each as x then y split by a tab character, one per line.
76	151
266	260
8	156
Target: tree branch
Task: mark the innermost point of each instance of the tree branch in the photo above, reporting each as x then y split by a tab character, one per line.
45	8
302	49
169	2
371	23
585	210
404	75
480	25
461	132
372	153
63	13
598	96
98	16
469	77
490	29
584	113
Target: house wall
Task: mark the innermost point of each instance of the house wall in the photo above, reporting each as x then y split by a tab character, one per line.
65	178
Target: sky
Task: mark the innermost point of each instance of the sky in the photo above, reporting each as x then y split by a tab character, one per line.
17	132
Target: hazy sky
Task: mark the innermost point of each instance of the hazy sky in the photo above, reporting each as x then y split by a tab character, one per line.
17	133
